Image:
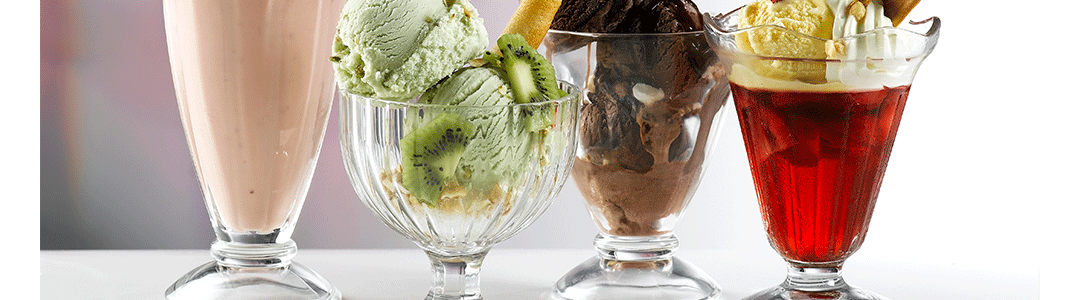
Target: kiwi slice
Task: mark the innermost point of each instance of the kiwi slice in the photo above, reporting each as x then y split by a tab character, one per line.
493	59
430	154
532	78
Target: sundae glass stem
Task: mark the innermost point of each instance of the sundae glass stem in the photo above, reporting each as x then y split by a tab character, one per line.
252	255
634	248
813	278
455	277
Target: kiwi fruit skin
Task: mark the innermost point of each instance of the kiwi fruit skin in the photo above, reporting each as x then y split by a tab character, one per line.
430	155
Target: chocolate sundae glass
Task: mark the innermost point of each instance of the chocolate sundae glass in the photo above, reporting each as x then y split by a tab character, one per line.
653	106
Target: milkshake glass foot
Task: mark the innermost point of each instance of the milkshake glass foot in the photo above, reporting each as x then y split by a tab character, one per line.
214	281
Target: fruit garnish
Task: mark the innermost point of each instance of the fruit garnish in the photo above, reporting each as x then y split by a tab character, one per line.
531	77
430	154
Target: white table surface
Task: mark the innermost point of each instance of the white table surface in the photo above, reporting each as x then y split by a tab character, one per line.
521	273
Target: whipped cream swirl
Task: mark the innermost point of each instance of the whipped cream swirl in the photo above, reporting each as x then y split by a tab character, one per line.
874	58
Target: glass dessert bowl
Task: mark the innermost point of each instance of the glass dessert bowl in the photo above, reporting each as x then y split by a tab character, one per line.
653	102
458	179
818	130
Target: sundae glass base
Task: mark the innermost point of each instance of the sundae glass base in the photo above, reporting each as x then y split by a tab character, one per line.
258	275
814	283
641	273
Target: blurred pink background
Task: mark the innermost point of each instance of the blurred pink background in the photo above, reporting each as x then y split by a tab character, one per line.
113	157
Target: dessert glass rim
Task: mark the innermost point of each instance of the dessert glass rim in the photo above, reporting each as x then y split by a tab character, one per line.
572	92
929	38
625	34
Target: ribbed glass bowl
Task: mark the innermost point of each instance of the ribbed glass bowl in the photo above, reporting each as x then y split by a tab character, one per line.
456	232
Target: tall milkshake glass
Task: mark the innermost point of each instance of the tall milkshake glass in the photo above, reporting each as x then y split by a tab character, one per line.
818	134
254	90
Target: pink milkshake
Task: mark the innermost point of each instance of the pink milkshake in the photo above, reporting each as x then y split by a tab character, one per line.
254	89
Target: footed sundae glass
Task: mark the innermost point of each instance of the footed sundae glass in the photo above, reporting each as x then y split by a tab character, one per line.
504	178
653	107
818	133
254	92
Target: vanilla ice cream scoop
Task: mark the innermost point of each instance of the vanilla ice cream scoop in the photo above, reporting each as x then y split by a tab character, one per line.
824	19
810	17
825	29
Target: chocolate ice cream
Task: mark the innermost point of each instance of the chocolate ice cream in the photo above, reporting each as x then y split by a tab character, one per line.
641	161
627	16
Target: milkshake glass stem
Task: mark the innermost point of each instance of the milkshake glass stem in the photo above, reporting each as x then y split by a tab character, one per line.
245	255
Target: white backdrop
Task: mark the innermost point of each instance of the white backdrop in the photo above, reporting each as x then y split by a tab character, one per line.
982	168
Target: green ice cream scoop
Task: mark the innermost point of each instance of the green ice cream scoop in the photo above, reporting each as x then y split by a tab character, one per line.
396	49
501	142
